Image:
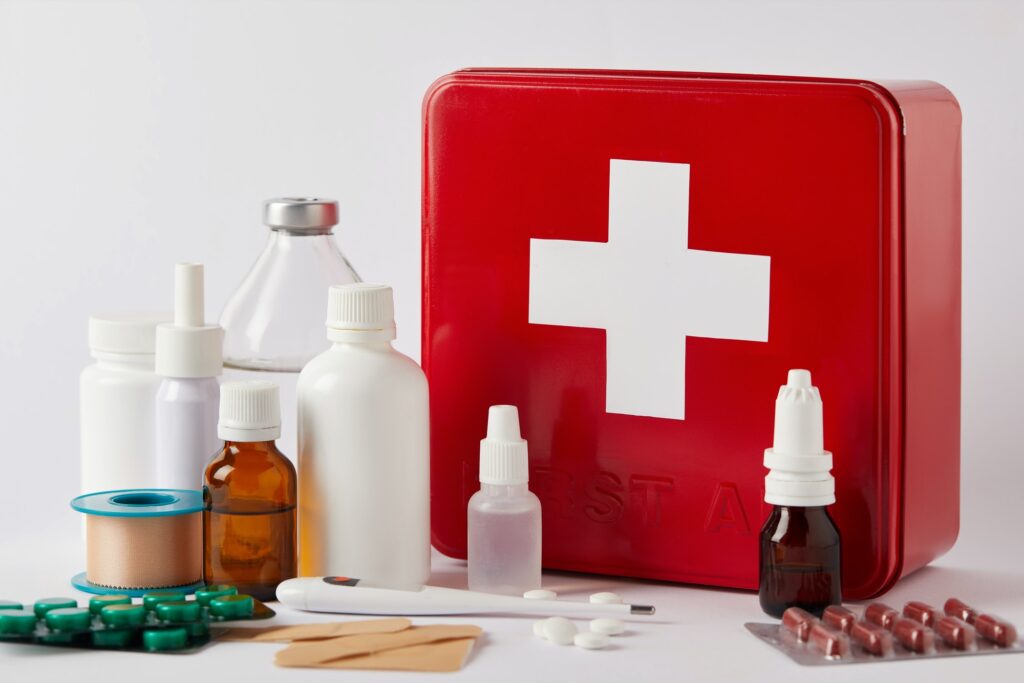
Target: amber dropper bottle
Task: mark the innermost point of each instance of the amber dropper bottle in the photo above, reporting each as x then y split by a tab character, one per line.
799	541
250	494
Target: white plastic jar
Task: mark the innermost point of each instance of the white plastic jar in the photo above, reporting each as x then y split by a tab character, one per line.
116	395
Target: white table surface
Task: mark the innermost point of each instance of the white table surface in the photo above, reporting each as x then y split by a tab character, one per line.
696	635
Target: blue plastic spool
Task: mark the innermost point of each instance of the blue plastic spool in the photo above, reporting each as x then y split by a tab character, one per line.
136	503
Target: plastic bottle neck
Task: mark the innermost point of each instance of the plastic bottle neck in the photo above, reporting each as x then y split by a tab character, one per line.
376	339
504	490
136	362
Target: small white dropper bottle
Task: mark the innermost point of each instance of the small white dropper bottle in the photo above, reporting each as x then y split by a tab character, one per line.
504	522
188	357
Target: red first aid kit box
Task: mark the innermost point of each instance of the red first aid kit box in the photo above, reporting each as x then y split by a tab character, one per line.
635	260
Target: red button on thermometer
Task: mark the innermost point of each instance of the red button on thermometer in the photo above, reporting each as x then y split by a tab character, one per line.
343	595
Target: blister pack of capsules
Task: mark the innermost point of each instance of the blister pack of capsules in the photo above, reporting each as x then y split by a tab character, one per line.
881	633
161	621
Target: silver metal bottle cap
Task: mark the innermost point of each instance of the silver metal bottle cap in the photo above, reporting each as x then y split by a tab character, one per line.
300	214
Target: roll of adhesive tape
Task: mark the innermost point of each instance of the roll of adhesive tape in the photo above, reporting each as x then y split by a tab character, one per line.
141	539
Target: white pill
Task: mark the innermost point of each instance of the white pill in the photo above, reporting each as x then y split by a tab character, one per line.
590	640
609	627
540	594
538	628
559	630
605	598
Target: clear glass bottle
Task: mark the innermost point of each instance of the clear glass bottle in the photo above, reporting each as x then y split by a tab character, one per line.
250	493
275	319
503	517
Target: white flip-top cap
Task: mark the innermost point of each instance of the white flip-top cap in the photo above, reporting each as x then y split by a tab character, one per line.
189	347
799	466
249	411
360	308
504	458
127	334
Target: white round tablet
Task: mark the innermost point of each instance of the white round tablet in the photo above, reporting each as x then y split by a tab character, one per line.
538	628
559	630
589	640
605	598
540	594
607	626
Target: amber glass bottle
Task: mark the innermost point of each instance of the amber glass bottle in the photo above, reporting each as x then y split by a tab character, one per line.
799	560
250	495
799	541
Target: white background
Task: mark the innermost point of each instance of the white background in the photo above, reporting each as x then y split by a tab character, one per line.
136	134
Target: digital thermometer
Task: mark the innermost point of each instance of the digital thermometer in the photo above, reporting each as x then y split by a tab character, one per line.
342	595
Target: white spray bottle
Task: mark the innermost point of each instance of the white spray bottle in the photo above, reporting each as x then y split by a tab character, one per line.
188	357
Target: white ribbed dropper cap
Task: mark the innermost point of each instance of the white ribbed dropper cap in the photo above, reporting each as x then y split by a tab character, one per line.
361	307
189	347
249	411
504	458
799	466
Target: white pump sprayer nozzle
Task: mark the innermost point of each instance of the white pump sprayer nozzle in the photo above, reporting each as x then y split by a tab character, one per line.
188	347
799	466
504	458
188	295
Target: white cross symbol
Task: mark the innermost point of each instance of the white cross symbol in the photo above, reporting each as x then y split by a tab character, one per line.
647	289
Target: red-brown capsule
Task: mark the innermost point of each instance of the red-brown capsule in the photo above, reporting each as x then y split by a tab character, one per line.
839	618
995	630
921	612
798	621
960	610
829	642
881	615
958	634
913	635
873	638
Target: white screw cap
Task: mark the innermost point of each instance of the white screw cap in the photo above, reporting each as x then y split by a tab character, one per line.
189	347
799	466
131	334
360	307
249	411
504	458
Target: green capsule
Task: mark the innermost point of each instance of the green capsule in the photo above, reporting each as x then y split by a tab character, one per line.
204	596
232	606
20	622
96	604
178	611
123	615
68	619
161	640
150	600
10	604
116	638
44	605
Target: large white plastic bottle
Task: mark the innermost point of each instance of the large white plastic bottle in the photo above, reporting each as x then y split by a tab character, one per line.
503	517
188	358
116	396
364	470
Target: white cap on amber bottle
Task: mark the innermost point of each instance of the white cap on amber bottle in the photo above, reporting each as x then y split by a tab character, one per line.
504	458
798	464
249	412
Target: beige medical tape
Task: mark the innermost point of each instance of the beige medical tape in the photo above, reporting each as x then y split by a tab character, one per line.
144	552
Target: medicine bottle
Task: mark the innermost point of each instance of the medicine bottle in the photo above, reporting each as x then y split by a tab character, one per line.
503	517
116	395
188	358
274	320
799	545
364	449
250	495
